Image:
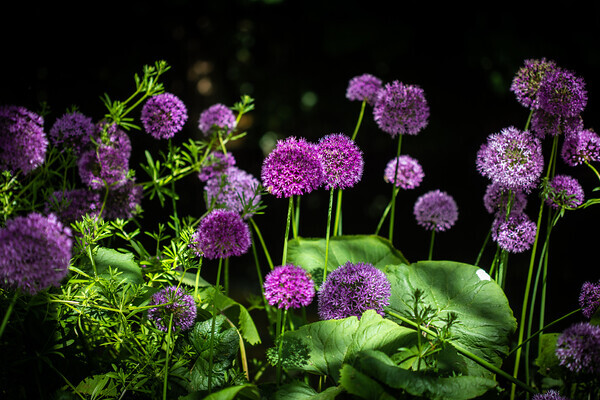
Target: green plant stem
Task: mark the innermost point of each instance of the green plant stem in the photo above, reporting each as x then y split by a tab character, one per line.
262	242
337	226
296	224
385	213
327	233
593	169
212	327
226	277
394	192
283	316
197	282
9	310
168	353
483	246
360	118
431	244
287	230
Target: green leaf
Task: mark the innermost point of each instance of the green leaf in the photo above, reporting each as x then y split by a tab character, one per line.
309	253
247	391
547	361
302	391
106	258
97	386
359	384
485	320
322	347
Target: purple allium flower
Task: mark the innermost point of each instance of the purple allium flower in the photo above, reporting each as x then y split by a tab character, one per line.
527	81
217	162
289	286
549	395
543	123
35	252
512	158
69	206
73	130
342	161
124	201
405	171
401	109
363	87
496	199
581	147
352	289
589	298
163	115
221	234
23	142
108	163
514	234
436	210
234	189
216	117
564	192
562	93
173	302
578	348
292	168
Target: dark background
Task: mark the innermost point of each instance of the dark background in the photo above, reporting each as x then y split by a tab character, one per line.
295	59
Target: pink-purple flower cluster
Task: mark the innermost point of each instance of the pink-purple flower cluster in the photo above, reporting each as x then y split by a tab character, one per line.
589	298
163	115
564	191
221	234
351	289
544	123
581	147
124	201
562	93
578	348
401	109
70	205
405	171
72	130
342	161
234	189
216	163
364	87
436	210
514	234
549	395
527	81
173	302
217	117
496	200
35	252
289	286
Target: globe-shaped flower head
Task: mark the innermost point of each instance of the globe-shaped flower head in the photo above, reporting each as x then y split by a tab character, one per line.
578	348
35	252
581	147
72	130
564	192
511	158
549	395
221	234
293	167
216	162
69	206
352	289
289	286
527	81
562	93
216	117
401	109
436	210
363	88
515	234
23	142
496	199
163	115
342	161
544	123
124	201
234	189
173	302
404	171
589	298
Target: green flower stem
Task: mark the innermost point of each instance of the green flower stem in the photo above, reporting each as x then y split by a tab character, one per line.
465	352
483	246
327	233
212	327
262	242
394	193
337	226
9	310
287	230
360	118
296	224
168	344
197	282
431	244
283	317
385	213
226	277
593	169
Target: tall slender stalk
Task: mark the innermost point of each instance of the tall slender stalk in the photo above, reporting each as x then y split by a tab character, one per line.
287	230
212	327
360	118
327	233
337	226
394	192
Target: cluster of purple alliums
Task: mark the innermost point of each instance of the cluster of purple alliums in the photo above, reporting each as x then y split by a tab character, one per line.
289	286
173	303
436	211
221	234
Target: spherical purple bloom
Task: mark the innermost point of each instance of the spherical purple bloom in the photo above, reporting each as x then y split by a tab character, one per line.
173	302
514	234
564	192
512	158
549	395
496	199
351	289
70	205
108	163
581	147
221	234
364	88
589	298
124	201
289	286
342	161
216	163
405	171
234	189
527	81
543	124
35	252
578	348
72	130
401	109
436	210
293	167
216	117
562	93
23	142
163	115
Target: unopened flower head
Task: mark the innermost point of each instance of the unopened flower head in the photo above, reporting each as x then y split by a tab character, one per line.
549	395
342	161
72	130
364	88
293	167
23	142
234	189
124	201
564	191
221	234
217	117
527	81
69	206
514	234
496	199
545	124
173	303
581	147
436	210
405	171
578	348
289	286
35	252
589	298
511	158
351	289
106	164
163	115
562	93
216	163
401	109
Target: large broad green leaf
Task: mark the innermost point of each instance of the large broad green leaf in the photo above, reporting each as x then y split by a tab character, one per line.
309	253
105	258
302	391
329	344
485	320
361	385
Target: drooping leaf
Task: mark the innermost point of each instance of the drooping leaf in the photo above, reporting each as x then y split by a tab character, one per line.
248	391
361	385
302	391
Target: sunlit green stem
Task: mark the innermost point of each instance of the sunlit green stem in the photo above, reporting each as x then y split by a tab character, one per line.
212	327
9	310
337	226
168	354
385	213
287	230
262	242
394	192
483	246
431	244
327	233
593	169
283	316
360	118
